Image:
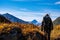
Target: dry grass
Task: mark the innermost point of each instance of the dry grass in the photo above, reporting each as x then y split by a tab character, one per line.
55	32
26	28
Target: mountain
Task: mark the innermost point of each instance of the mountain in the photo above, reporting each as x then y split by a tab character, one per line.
56	21
3	19
35	22
14	19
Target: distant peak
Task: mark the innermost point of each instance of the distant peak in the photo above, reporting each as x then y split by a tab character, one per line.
34	21
7	13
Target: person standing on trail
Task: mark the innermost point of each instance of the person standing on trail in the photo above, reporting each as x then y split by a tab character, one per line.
47	25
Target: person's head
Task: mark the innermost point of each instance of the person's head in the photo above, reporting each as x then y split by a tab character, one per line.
47	14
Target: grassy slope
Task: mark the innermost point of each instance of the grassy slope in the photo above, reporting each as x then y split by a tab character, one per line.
26	28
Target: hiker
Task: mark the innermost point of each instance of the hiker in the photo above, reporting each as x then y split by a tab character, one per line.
47	25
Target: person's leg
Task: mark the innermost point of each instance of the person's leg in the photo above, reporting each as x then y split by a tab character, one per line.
48	35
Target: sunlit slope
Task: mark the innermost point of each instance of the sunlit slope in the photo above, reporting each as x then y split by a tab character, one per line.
56	32
26	28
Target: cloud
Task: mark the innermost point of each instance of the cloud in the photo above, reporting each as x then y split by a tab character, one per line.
19	0
57	2
29	15
24	15
24	9
25	0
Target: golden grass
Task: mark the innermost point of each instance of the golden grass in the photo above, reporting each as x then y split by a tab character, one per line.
55	32
26	28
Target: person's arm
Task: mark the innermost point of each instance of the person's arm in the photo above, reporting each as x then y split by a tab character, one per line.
51	24
42	26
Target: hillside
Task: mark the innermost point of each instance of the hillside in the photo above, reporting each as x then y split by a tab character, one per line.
55	34
3	19
15	31
14	19
56	21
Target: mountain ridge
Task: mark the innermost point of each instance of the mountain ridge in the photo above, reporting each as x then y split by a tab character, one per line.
35	22
3	19
56	21
13	18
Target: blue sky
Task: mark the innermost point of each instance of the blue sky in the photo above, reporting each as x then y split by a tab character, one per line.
31	9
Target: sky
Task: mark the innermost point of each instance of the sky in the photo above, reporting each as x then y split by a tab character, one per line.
29	10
